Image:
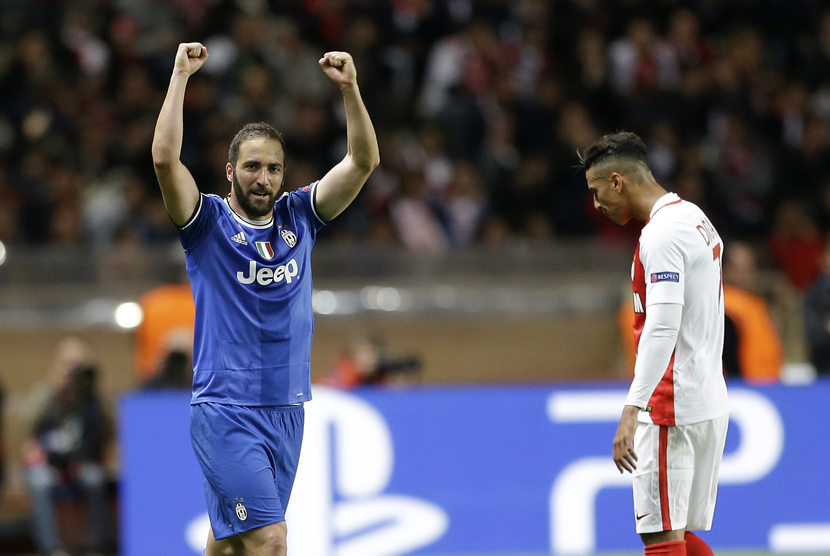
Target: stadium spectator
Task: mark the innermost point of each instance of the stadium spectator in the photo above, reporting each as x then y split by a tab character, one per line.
641	61
742	167
796	243
817	318
752	347
463	206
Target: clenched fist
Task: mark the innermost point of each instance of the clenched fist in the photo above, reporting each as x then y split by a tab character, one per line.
339	66
190	57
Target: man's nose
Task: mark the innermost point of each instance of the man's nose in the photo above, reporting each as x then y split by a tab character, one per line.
263	177
596	204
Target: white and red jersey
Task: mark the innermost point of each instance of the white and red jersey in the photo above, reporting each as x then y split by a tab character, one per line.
678	260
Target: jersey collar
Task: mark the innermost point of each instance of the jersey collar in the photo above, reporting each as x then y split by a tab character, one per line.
256	224
665	200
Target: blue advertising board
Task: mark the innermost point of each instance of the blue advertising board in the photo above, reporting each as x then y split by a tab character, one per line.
489	470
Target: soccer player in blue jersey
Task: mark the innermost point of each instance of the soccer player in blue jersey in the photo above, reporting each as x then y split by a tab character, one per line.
248	259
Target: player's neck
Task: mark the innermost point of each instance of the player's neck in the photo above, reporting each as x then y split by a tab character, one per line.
649	195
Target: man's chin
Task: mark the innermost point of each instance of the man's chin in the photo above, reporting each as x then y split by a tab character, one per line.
258	208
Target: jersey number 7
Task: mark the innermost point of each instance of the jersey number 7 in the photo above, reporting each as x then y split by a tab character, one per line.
716	257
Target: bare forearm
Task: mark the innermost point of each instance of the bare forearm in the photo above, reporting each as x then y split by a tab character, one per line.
362	142
167	140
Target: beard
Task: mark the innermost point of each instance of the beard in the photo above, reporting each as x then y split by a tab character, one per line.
253	208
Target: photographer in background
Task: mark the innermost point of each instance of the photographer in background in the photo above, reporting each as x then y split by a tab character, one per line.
63	458
368	363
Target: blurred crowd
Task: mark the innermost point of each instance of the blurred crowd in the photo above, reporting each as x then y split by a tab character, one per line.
480	107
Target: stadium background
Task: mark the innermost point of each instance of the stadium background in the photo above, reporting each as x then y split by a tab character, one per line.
474	247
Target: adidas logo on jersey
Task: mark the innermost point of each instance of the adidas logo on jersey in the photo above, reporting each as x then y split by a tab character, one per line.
240	238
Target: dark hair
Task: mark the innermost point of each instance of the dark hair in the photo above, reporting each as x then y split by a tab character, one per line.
253	131
623	144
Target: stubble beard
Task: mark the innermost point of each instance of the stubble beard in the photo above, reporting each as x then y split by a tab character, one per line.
252	208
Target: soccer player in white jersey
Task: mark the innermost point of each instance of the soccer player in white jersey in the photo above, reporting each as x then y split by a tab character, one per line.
672	431
249	262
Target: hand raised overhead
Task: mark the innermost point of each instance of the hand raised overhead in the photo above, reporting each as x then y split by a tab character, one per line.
190	57
339	66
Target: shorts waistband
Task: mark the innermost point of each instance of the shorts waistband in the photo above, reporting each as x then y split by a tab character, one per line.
279	408
276	408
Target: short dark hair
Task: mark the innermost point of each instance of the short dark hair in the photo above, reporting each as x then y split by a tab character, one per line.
623	144
253	131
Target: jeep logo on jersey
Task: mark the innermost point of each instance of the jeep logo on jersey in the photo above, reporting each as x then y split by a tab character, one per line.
266	275
289	237
264	249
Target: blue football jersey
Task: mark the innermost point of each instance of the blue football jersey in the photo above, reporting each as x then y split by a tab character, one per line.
251	283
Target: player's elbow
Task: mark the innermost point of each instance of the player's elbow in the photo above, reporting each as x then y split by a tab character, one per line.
161	160
667	332
163	156
367	163
363	164
374	161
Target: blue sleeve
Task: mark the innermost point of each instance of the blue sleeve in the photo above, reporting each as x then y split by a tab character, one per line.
196	230
302	202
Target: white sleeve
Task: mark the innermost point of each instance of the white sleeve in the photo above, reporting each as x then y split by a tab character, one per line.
654	352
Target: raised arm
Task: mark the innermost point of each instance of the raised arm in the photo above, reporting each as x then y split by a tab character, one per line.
341	184
181	196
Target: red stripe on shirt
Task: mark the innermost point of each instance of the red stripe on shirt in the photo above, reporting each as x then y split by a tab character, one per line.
662	400
664	477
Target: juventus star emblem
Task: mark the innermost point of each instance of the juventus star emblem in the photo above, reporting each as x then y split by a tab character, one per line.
289	237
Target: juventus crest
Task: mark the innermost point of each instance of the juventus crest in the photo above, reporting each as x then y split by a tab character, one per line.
289	237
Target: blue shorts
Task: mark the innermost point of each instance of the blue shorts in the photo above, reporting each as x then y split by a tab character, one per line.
249	457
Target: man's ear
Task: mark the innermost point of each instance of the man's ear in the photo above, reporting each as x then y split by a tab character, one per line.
616	181
229	172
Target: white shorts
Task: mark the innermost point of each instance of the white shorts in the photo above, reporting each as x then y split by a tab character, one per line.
676	481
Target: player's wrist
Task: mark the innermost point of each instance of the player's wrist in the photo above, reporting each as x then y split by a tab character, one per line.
631	408
346	88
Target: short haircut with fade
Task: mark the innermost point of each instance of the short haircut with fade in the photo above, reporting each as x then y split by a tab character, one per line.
622	145
259	130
